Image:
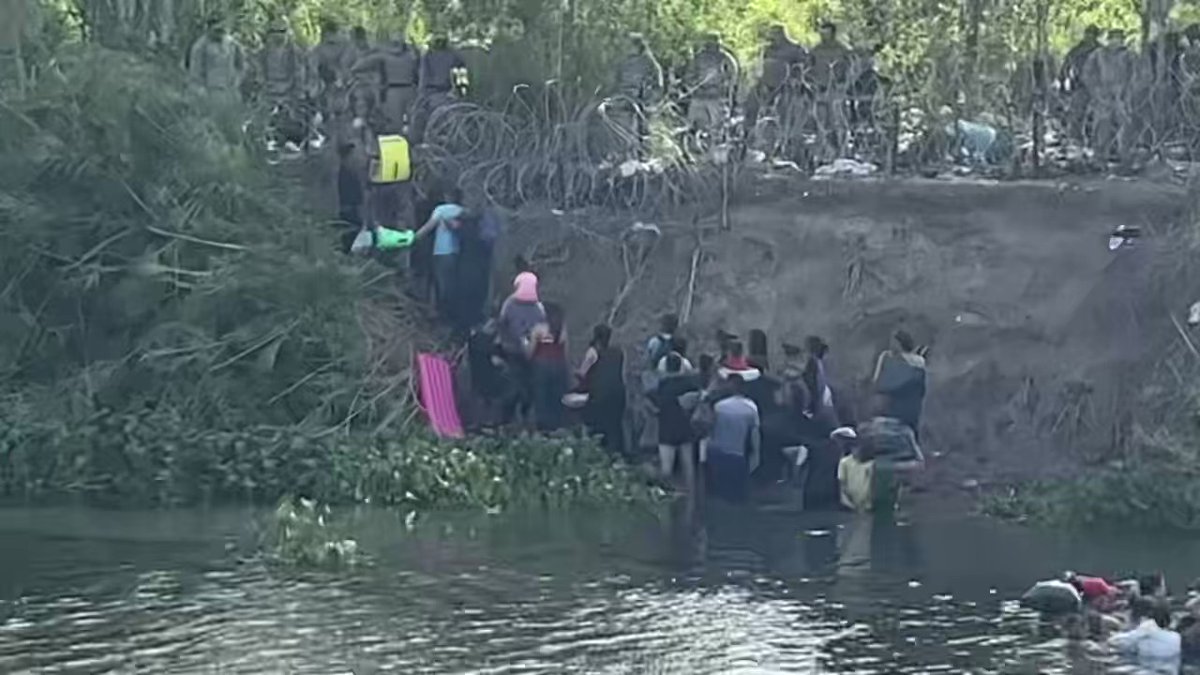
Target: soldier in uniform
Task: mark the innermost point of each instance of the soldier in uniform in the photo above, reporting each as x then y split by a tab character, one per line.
1109	75
1189	84
331	61
639	85
398	64
364	84
216	62
783	63
282	81
710	79
828	77
1070	81
439	68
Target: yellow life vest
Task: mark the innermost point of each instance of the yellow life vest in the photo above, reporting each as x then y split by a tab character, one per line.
394	164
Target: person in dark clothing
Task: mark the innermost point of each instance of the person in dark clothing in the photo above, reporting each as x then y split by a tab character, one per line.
547	350
777	424
900	380
675	438
758	353
351	194
820	395
420	256
602	376
488	379
474	271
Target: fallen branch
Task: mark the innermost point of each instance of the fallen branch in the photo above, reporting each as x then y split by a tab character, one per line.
196	240
686	314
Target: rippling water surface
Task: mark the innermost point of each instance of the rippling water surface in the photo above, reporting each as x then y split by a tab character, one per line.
714	590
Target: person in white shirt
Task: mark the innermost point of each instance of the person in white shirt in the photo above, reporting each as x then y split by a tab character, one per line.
1150	641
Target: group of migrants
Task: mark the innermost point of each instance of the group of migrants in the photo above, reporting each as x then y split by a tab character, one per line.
1133	616
725	420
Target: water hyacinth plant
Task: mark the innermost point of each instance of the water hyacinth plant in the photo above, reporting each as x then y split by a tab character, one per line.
153	457
303	535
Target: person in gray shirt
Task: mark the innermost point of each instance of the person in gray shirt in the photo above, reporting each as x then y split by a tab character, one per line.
734	444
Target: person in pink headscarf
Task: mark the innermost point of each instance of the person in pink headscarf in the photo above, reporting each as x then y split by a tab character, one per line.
521	312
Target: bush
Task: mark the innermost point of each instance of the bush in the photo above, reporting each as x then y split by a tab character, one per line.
153	457
147	256
1138	495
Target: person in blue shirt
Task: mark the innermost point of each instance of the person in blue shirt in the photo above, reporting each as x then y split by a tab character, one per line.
444	222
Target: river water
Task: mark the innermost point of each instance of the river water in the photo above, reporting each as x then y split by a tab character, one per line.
693	590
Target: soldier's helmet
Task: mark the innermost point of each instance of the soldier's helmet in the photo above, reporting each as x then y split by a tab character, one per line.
637	40
776	32
712	40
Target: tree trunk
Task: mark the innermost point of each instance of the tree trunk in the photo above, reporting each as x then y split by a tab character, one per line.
972	17
13	19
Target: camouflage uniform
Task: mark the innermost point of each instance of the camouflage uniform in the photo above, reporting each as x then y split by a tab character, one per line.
437	85
1109	76
364	84
282	81
1189	84
711	78
829	78
1071	81
217	64
398	65
639	85
331	61
783	64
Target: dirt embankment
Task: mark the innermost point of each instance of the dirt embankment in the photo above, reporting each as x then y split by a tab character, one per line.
1040	334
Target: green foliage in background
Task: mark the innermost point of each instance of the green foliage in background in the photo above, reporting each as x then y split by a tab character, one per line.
174	329
925	44
1146	495
148	259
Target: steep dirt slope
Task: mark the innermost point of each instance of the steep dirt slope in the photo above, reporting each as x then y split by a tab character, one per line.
1039	332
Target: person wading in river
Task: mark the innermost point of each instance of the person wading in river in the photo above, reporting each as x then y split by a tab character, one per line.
900	381
601	376
733	445
675	440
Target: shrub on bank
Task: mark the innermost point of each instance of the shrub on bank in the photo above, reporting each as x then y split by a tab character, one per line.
1136	495
154	457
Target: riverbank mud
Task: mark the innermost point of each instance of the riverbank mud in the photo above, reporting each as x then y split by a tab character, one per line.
1042	338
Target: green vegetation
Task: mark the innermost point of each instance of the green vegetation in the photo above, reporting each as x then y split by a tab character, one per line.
1150	496
174	329
162	458
933	51
302	534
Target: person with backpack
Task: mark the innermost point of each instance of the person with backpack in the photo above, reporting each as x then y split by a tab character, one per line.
657	348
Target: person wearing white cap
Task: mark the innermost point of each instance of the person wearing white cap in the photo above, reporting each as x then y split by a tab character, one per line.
855	472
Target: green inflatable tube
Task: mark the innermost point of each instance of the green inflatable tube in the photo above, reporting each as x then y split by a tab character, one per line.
390	240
